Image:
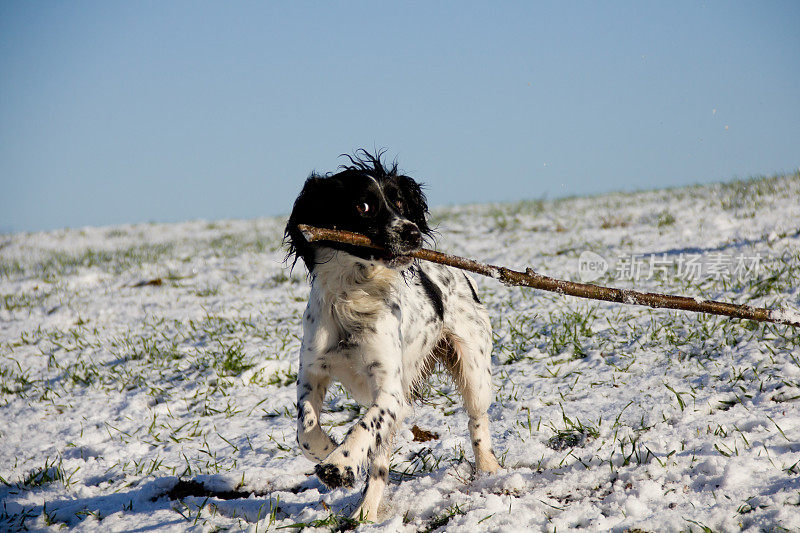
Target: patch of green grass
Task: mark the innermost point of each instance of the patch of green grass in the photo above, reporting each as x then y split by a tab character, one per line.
614	221
443	519
665	218
510	215
57	264
570	331
776	276
25	300
517	332
205	292
52	472
232	360
14	381
702	527
152	355
679	396
17	521
425	460
11	268
564	439
283	378
279	279
235	244
334	522
522	332
115	233
750	193
574	433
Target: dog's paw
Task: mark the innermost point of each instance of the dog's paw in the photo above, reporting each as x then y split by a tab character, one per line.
486	462
334	475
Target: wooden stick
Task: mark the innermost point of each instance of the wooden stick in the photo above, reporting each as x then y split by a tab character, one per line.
529	278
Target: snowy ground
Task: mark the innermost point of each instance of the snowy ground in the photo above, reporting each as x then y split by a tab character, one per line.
135	356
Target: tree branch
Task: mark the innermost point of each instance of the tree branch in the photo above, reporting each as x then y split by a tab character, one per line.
529	278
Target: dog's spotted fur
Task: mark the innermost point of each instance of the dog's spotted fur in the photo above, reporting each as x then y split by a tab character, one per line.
379	322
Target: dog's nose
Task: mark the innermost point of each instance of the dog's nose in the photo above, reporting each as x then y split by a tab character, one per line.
410	235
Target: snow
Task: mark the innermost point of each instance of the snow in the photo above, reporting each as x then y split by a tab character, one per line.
606	416
786	315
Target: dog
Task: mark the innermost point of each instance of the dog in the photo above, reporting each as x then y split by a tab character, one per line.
378	322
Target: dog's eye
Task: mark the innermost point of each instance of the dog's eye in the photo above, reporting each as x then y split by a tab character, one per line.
363	208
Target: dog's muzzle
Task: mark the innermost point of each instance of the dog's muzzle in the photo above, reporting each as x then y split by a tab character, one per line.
401	238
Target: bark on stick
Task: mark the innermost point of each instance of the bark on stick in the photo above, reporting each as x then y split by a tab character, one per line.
529	278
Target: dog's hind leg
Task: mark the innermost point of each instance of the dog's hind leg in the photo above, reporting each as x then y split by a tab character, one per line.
313	441
468	360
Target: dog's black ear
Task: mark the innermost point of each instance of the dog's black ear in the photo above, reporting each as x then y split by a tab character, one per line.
309	208
414	202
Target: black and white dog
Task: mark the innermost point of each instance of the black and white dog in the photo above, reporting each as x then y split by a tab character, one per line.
378	322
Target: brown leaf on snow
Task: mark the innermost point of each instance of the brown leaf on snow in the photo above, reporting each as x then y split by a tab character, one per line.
156	282
421	435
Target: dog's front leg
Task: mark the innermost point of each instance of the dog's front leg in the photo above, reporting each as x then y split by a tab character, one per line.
313	441
376	483
376	428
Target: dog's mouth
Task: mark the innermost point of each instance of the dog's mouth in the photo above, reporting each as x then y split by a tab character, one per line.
392	260
383	256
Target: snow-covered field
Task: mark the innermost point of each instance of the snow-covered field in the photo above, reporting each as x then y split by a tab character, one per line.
133	357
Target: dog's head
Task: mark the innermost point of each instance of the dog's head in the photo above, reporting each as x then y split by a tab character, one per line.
366	197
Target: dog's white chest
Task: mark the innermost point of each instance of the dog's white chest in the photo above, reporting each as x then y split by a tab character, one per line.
371	330
339	339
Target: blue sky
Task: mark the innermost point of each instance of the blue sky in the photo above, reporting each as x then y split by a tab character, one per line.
117	112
